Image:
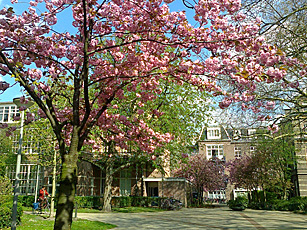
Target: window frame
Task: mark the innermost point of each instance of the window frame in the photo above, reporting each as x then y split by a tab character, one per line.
218	147
7	113
211	135
251	132
237	151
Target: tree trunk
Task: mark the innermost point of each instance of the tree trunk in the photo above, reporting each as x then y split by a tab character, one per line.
199	196
67	189
107	195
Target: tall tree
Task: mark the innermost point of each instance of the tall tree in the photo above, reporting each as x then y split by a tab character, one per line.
60	70
283	24
175	112
269	167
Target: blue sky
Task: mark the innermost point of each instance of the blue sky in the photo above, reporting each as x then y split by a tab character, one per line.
15	91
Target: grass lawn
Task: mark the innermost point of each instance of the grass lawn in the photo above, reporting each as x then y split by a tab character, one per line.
37	222
41	222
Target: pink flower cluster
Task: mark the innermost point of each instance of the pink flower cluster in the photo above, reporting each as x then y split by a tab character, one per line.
4	86
122	51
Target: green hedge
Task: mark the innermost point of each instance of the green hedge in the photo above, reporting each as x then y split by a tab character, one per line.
136	201
293	204
97	202
88	201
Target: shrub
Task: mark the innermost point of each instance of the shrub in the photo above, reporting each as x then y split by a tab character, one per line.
281	205
88	201
26	201
6	203
6	214
240	203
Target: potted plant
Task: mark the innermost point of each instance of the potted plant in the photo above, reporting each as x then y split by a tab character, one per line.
239	204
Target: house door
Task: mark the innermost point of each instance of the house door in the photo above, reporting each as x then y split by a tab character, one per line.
152	188
125	183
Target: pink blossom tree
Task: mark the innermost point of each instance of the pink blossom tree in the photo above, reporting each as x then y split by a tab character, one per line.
173	112
205	175
125	46
242	172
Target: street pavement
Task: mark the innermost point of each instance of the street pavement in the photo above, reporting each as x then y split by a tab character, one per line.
202	218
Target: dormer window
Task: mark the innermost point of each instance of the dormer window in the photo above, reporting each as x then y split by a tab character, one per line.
213	133
236	134
251	133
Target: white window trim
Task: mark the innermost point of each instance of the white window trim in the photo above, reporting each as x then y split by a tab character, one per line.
252	149
236	134
220	148
12	111
238	149
211	137
251	132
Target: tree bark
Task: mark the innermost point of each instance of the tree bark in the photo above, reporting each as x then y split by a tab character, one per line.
67	189
107	196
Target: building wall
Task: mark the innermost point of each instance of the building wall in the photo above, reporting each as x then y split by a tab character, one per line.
301	153
175	189
229	140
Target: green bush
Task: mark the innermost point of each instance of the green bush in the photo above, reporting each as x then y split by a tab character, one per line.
6	214
298	204
26	201
281	205
240	203
6	203
88	201
294	204
261	205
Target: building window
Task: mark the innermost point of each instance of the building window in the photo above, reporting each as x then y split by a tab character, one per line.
214	133
252	149
238	152
236	134
251	133
30	144
8	112
28	178
215	151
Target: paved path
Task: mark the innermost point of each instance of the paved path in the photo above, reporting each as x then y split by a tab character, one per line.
202	218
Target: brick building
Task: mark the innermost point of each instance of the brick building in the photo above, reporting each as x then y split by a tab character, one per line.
141	180
226	144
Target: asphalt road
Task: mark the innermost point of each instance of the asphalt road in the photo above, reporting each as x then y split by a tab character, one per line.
202	218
